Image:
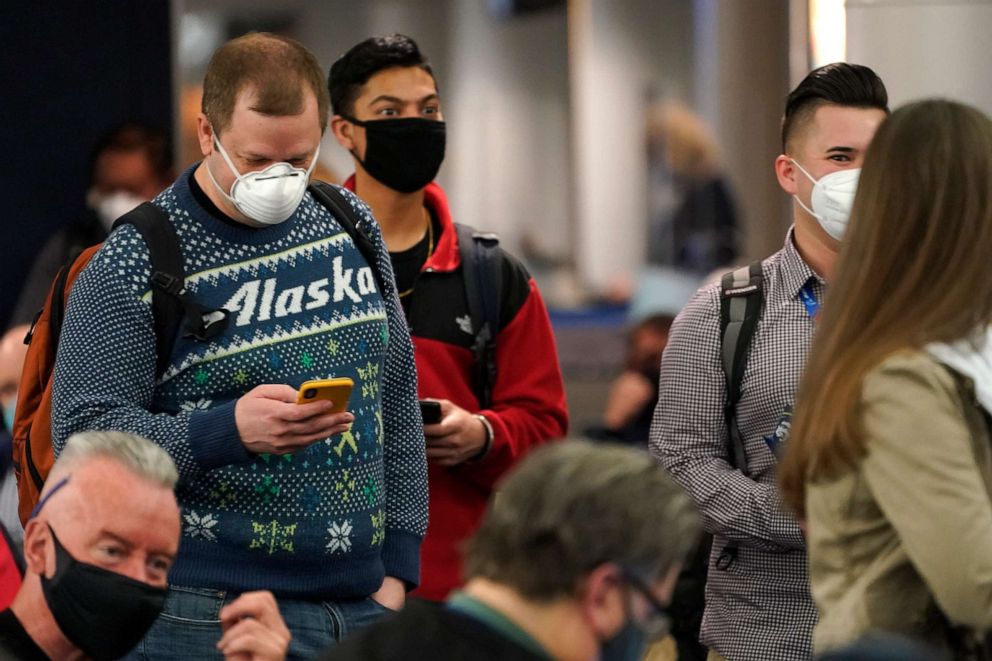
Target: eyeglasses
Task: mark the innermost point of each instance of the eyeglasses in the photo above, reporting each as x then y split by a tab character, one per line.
657	624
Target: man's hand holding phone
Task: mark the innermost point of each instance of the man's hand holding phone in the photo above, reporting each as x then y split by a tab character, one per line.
270	421
459	436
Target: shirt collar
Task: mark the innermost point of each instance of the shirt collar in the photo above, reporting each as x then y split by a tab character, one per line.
468	605
795	271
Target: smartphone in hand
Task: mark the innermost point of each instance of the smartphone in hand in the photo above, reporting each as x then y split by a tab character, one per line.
430	411
337	390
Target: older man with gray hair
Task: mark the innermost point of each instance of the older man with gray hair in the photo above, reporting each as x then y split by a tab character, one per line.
573	560
98	549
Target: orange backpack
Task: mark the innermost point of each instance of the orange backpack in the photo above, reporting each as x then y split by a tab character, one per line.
32	432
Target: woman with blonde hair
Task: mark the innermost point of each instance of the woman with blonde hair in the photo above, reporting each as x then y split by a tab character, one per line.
890	461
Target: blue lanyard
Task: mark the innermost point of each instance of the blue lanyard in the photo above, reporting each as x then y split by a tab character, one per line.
809	299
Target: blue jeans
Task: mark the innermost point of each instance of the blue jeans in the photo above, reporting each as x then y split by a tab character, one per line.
189	626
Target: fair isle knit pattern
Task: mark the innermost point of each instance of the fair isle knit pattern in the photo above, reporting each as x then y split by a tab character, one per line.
326	522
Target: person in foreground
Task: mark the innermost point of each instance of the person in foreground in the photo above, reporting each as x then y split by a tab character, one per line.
573	560
98	549
892	461
722	441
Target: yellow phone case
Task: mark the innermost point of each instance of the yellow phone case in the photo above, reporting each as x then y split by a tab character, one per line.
337	390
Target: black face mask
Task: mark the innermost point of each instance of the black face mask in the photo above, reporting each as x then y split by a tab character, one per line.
101	612
403	154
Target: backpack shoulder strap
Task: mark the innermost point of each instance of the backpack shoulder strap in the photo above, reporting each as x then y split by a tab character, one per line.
741	300
483	277
173	308
331	198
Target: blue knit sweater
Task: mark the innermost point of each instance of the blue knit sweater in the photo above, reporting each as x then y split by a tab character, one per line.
326	522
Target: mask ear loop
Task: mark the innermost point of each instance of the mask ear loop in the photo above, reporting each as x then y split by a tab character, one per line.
803	170
237	175
796	197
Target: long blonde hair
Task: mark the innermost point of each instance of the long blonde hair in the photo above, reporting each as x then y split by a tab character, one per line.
914	268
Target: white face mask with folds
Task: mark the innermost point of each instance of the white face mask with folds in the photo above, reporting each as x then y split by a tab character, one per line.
269	196
832	199
111	206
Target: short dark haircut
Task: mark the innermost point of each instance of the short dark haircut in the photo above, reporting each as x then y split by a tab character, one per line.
278	68
573	506
840	83
131	136
353	69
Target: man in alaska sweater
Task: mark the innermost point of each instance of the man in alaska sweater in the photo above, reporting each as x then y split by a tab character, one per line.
326	510
388	115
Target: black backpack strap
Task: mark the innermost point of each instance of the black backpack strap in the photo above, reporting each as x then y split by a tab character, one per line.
483	276
741	301
331	198
173	308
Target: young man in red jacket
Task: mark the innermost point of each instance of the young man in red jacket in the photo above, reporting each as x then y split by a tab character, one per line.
387	113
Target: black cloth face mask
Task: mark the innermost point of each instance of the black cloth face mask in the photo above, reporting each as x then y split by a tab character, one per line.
403	154
101	612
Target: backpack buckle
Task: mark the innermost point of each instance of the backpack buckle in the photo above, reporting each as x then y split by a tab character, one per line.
170	284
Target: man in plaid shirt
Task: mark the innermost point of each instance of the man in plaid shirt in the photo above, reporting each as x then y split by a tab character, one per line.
758	604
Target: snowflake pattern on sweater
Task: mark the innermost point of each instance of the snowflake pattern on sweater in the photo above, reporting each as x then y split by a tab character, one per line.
328	521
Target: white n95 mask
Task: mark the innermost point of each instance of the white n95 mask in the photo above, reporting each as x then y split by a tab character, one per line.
832	199
111	206
268	196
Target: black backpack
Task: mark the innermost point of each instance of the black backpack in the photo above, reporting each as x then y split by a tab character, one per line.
742	297
741	300
482	274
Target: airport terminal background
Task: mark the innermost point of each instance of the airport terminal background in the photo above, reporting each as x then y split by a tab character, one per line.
553	108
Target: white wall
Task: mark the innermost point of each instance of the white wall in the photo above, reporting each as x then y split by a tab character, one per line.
924	48
507	112
742	80
620	52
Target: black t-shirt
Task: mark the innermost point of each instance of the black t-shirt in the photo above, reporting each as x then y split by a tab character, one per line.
208	204
15	643
407	263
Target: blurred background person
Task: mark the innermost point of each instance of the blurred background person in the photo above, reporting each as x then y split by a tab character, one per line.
131	164
634	393
12	351
892	459
693	223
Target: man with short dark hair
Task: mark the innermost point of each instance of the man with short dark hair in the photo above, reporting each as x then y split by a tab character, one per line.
324	509
758	604
495	404
572	561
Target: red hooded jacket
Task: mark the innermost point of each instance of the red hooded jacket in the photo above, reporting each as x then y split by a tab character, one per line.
528	406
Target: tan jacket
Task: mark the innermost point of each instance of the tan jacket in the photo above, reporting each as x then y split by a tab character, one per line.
911	526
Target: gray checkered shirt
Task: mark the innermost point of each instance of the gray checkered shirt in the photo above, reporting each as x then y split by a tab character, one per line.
759	607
